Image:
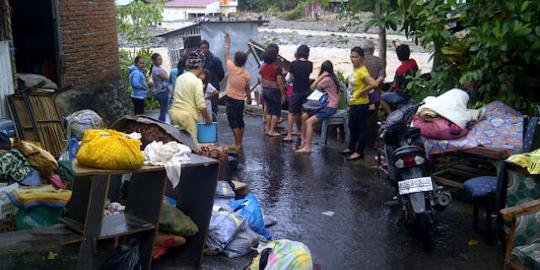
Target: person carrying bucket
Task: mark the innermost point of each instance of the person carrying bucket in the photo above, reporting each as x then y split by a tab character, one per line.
188	97
238	83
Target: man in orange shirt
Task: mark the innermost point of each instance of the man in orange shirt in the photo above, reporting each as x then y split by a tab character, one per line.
238	90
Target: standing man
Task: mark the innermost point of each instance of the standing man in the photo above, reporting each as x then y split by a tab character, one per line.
376	68
237	91
214	65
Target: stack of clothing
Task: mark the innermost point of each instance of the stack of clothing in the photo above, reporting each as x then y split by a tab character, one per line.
25	198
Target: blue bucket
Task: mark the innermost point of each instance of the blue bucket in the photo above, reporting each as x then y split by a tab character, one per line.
207	133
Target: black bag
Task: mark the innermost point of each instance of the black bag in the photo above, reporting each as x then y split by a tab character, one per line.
312	105
126	257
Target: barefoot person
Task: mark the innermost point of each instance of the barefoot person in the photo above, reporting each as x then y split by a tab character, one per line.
360	83
188	98
299	71
273	90
237	91
326	82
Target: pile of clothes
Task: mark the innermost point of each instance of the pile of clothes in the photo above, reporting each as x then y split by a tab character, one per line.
446	117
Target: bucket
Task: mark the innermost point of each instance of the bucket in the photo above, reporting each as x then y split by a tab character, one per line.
207	133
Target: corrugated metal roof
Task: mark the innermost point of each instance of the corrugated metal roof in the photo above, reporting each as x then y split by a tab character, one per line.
190	27
189	3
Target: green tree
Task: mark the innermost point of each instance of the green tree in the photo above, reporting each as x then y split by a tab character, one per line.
384	16
495	57
135	20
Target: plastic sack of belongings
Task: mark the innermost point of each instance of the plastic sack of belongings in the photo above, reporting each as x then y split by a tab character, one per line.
80	121
110	149
282	255
229	233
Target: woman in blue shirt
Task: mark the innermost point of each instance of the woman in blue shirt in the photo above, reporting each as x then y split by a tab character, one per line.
138	85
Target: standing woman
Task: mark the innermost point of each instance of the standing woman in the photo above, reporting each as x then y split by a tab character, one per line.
360	83
326	82
138	85
188	98
273	89
161	85
299	71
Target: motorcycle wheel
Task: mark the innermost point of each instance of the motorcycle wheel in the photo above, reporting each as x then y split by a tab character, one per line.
424	230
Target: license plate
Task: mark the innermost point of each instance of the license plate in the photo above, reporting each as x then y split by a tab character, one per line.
415	185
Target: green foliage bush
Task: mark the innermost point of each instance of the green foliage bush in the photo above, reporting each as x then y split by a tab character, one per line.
496	57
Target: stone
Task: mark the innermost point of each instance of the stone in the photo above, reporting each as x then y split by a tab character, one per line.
110	100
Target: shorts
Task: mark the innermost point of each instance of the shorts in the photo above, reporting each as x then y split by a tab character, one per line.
296	101
235	112
272	100
392	97
325	113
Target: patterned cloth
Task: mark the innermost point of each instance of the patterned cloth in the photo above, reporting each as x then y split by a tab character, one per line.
195	59
481	186
523	188
285	255
501	128
528	255
13	164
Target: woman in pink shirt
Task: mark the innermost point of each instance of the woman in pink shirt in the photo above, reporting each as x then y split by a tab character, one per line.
326	82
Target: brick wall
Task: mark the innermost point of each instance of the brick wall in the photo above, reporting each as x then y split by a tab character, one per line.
89	42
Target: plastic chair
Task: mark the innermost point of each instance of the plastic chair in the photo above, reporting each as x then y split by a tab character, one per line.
341	117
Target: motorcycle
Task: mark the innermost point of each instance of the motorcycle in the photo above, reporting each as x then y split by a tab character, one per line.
409	173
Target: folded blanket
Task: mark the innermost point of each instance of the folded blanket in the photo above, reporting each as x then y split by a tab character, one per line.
47	195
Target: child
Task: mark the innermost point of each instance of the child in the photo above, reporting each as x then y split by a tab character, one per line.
209	90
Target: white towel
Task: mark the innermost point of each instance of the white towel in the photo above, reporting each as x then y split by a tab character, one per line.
171	155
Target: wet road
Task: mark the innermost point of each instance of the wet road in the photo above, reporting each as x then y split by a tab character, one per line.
361	234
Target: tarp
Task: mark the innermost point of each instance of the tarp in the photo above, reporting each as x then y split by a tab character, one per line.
502	127
241	34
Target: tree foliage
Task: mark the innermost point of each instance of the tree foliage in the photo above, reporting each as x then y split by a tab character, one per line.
136	19
495	57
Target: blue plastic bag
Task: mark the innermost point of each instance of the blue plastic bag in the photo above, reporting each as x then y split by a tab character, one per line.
250	209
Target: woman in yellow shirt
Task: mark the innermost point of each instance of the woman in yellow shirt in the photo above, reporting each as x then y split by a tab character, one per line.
188	98
360	83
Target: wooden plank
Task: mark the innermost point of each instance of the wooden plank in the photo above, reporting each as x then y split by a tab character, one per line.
195	161
93	221
114	226
510	213
37	239
447	182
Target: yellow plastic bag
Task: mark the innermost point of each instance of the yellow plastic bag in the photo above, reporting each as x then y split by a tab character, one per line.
109	149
